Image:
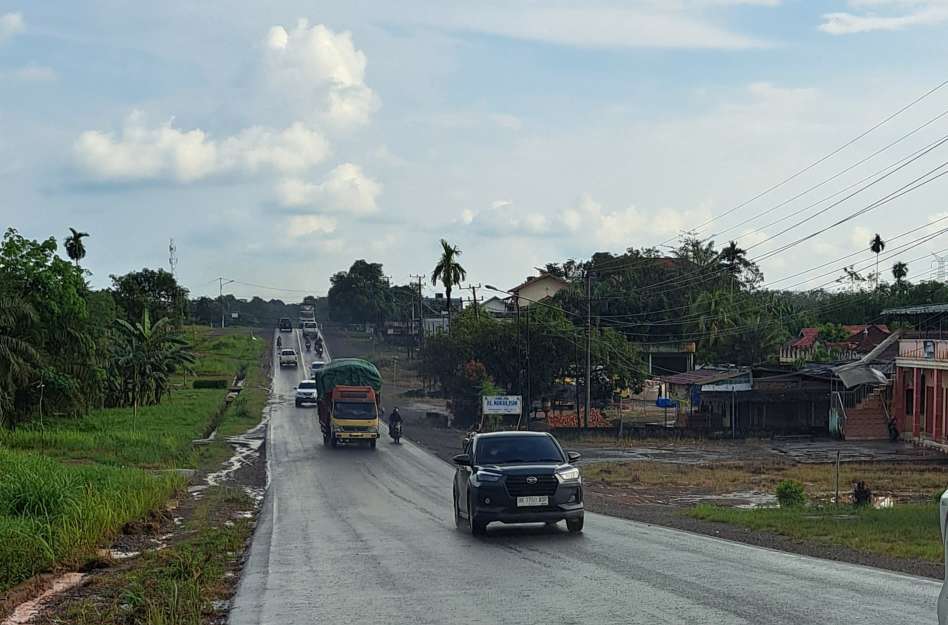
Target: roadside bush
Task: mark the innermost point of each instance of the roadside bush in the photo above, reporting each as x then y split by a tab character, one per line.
211	384
790	494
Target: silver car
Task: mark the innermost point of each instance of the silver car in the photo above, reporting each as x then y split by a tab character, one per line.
943	597
306	393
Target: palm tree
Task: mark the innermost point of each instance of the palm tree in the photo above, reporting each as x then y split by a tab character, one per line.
899	272
18	358
74	246
877	245
448	271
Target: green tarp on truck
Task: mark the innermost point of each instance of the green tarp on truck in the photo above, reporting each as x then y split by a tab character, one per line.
347	372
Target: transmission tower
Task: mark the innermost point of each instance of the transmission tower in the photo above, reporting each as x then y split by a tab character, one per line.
939	263
172	255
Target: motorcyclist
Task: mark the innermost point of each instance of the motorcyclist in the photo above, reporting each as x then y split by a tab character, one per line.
394	418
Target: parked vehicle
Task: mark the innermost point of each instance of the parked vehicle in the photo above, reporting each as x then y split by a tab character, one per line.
285	324
516	477
315	366
395	431
306	393
288	358
943	597
349	401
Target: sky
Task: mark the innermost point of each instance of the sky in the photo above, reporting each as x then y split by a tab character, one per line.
278	142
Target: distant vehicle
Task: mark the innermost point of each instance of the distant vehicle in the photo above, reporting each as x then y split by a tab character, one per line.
306	393
349	401
310	329
315	366
943	519
516	477
288	358
307	313
285	324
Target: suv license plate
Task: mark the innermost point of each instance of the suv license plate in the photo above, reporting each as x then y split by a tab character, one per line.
525	502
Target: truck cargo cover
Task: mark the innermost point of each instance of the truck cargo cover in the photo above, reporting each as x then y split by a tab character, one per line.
347	372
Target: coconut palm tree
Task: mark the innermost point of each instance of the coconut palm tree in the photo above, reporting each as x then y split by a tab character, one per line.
877	245
74	245
899	272
448	271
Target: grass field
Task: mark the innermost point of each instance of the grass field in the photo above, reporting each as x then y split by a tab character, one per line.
909	481
69	484
906	531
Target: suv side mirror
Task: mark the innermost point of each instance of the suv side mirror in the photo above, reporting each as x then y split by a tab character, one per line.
573	456
462	460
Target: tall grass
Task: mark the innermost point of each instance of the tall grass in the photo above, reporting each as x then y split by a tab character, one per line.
52	512
70	484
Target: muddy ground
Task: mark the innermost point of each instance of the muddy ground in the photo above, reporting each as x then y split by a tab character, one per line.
662	506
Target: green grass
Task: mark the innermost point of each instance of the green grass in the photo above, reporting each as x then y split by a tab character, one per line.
906	531
52	512
173	586
71	483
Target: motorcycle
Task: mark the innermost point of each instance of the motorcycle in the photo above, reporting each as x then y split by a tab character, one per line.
307	345
279	342
395	431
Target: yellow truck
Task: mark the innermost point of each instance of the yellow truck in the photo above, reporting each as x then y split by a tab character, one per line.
349	399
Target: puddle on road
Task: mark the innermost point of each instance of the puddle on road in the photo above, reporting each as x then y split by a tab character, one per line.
26	611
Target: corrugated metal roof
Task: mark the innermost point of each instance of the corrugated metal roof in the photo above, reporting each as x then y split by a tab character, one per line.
925	309
701	376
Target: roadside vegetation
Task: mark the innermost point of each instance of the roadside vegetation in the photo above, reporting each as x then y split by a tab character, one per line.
907	481
904	531
70	483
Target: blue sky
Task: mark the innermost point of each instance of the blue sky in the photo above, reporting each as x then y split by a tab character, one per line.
277	143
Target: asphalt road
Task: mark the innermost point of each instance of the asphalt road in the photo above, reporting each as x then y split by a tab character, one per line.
356	536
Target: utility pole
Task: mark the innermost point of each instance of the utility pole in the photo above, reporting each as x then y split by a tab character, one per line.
529	402
221	296
421	310
477	310
588	347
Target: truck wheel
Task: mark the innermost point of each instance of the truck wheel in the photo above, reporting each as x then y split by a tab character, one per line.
372	444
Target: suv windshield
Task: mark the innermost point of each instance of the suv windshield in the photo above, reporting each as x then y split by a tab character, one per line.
307	385
513	449
354	410
287	352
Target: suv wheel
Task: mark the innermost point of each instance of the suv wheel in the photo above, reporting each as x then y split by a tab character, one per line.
575	526
458	521
477	527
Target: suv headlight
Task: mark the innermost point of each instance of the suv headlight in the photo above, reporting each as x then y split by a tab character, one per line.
568	475
484	476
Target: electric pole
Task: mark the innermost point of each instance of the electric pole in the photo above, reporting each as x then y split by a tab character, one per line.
477	311
221	296
588	347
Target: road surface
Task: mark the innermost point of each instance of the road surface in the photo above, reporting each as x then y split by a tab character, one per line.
356	536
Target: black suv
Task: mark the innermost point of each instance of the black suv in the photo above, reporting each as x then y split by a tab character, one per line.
516	477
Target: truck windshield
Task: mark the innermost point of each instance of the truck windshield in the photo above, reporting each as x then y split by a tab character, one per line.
354	410
516	449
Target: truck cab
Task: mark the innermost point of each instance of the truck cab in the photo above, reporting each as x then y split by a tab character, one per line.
353	416
285	325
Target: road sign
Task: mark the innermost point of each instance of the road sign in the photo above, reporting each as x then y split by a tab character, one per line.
502	404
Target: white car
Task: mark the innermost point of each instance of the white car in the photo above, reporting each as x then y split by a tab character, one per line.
316	365
288	358
306	393
943	597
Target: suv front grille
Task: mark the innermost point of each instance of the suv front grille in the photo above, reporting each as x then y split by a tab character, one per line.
517	485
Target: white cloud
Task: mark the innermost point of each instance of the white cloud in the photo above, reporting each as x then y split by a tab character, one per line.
651	25
307	225
920	13
346	189
320	71
503	219
142	152
11	24
35	73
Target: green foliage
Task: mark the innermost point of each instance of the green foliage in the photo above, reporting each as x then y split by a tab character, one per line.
210	384
833	333
154	292
905	531
448	271
360	295
790	494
